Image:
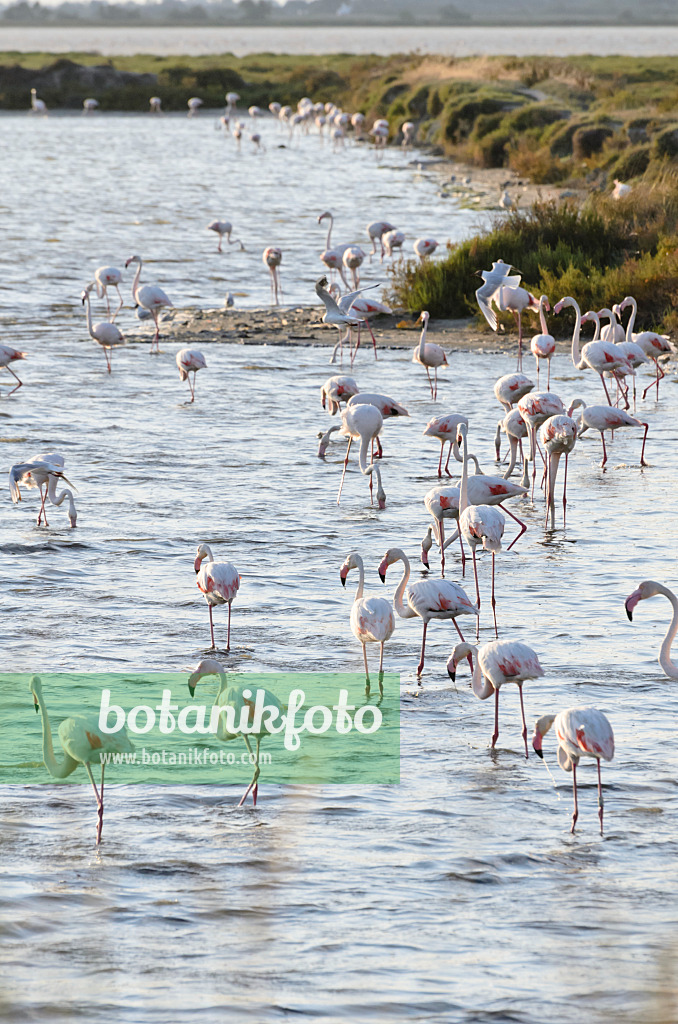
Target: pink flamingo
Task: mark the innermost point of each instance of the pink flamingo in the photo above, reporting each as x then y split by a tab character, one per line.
535	408
364	422
601	418
424	247
429	599
189	360
43	471
372	618
516	430
105	278
651	343
508	390
600	356
219	582
9	355
498	663
223	229
581	732
332	256
441	503
558	436
647	589
272	257
427	354
150	297
375	232
106	334
352	259
336	390
445	429
391	241
543	345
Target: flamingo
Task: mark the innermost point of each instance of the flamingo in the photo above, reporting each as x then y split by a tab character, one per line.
364	422
508	390
581	732
409	130
37	106
352	258
651	343
189	360
497	663
194	105
231	102
387	406
219	582
335	316
105	278
602	417
543	345
272	257
233	700
360	304
558	436
598	355
445	429
429	599
515	300
358	123
613	331
150	296
89	106
332	256
155	104
427	354
516	430
424	247
649	588
479	524
336	390
43	471
372	618
106	334
500	274
535	408
375	232
9	355
223	228
441	503
391	241
82	742
623	370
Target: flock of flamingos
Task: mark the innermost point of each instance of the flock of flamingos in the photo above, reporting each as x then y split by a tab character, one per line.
476	505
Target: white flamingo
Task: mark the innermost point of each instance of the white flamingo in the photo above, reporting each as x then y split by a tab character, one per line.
362	422
106	334
543	345
272	258
427	354
9	355
602	418
219	582
372	618
647	589
224	228
105	278
150	297
190	360
558	436
43	471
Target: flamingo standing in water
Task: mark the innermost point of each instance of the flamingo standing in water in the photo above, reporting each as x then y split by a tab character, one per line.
600	356
498	663
391	241
535	408
650	588
194	105
150	297
581	732
364	422
508	390
427	354
441	503
37	106
445	429
372	618
543	345
558	436
352	259
651	343
43	471
189	360
83	742
387	406
336	390
224	228
424	247
106	334
375	232
9	355
219	582
272	257
361	305
233	700
105	278
602	417
516	430
429	599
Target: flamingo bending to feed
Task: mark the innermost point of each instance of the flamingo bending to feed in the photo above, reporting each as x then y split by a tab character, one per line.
233	700
105	278
429	599
38	106
272	257
387	406
543	345
600	356
651	343
219	582
82	742
106	334
427	354
224	228
372	618
424	247
558	436
441	503
375	232
336	390
155	104
335	316
445	429
194	105
649	588
602	417
43	471
352	259
516	429
535	408
497	663
364	422
581	732
9	355
150	297
189	360
479	524
391	241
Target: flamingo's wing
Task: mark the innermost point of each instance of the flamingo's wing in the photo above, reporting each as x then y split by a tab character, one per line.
486	309
346	301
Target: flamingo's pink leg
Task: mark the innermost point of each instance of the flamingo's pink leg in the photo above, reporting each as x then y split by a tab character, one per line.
565	489
440	460
494	603
348	449
430	382
642	453
374	340
522	712
354	352
602	438
607	394
463	555
548	379
441	537
435	377
522	525
475	570
449	452
575	813
16	378
228	634
495	735
420	666
107	355
600	798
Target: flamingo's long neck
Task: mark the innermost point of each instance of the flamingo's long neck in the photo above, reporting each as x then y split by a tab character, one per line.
422	342
596	319
542	315
57	499
463	490
632	319
90	327
135	283
577	331
58	769
364	445
399	603
669	666
554	459
361	579
328	244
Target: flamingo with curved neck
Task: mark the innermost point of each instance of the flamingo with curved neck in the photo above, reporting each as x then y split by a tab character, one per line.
150	297
651	343
105	334
364	422
650	588
543	345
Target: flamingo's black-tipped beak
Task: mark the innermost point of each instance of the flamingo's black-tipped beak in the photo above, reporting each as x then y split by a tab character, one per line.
382	577
629	612
539	753
37	708
191	689
343	581
452	674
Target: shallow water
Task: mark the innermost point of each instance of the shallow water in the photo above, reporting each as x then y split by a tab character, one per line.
458	895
